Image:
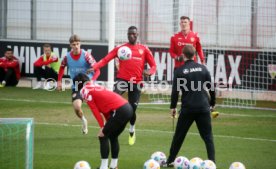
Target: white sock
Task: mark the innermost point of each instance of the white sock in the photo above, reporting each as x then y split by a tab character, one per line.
132	128
114	163
104	164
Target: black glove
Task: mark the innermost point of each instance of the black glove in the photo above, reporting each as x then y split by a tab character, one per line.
180	58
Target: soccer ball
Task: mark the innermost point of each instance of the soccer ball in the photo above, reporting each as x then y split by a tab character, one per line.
159	156
181	163
237	165
124	53
195	163
82	165
208	164
151	164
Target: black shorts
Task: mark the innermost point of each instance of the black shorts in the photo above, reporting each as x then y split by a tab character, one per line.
76	95
118	120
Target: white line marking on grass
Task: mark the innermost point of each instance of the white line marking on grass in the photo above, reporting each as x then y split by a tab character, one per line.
161	131
238	115
35	101
151	107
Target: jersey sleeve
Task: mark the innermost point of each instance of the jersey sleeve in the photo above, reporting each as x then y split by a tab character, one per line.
210	86
91	60
62	67
111	55
150	60
172	48
174	93
2	63
199	49
40	62
86	95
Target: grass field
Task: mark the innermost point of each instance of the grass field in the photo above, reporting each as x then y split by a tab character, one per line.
242	135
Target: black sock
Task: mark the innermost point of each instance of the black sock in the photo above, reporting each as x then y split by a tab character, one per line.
131	133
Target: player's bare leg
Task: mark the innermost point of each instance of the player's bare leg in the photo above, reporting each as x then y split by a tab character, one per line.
77	107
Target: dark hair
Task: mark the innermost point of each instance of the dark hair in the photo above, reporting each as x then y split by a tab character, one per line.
8	49
80	78
184	17
189	51
132	27
47	45
74	38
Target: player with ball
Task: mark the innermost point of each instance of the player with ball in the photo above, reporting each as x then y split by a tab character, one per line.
132	59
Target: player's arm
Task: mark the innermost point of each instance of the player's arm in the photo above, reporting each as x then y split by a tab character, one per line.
96	113
174	96
174	93
199	50
150	60
2	65
172	51
91	60
12	64
61	72
40	62
111	55
211	88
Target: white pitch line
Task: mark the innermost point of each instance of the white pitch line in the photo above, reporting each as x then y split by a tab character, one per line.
35	101
162	131
151	107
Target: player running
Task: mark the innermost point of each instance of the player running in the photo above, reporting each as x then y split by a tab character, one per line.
78	61
130	73
110	107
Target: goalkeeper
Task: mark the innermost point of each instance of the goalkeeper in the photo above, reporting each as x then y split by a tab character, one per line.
182	38
192	79
115	110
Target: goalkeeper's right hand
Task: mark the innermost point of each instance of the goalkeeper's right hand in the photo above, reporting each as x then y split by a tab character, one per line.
180	58
84	125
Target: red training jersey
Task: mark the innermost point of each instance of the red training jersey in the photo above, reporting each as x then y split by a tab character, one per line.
132	69
11	63
101	101
179	40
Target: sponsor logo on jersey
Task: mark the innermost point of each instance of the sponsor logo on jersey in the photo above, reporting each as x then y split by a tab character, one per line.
141	51
186	71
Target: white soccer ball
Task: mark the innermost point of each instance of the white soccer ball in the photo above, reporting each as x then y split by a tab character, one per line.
237	165
159	156
82	165
124	53
181	162
151	164
208	164
195	163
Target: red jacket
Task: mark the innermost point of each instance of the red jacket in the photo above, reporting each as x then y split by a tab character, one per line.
178	41
13	63
132	69
101	101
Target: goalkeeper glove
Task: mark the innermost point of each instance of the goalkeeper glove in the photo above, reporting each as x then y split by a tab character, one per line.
180	58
